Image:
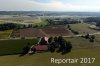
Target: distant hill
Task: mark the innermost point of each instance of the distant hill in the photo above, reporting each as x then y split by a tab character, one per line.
49	13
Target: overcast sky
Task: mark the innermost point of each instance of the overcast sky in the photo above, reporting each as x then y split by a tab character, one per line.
50	5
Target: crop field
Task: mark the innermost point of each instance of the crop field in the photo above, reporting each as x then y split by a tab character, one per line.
1	21
15	33
5	34
57	31
34	32
40	24
29	32
20	19
12	47
82	28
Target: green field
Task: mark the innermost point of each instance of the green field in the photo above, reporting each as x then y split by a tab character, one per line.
79	26
1	21
79	42
82	48
40	24
5	34
14	46
43	59
82	28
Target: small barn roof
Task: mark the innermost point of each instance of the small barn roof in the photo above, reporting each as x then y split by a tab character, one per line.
41	47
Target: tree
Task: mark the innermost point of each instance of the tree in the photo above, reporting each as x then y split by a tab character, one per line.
87	36
25	50
55	39
60	39
52	47
56	42
92	37
91	40
61	43
68	47
43	41
50	40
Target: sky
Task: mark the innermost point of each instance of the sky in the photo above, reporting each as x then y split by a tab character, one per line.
50	5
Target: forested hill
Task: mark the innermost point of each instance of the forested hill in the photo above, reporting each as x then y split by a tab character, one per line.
49	13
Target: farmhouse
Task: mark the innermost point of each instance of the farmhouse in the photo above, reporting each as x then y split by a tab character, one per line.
42	46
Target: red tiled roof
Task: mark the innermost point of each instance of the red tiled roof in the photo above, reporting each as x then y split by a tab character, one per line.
41	47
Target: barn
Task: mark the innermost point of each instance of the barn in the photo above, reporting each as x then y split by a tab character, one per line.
42	46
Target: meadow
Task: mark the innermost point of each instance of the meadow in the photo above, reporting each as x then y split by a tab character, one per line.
82	28
43	59
5	34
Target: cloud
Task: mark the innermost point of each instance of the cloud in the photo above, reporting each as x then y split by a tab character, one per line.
52	5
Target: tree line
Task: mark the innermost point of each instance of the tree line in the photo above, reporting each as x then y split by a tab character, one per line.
59	44
7	26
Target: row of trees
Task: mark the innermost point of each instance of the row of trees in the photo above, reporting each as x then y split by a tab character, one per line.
62	21
60	44
93	19
73	31
87	36
30	26
7	26
90	37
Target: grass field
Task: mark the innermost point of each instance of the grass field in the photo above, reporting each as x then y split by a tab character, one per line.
79	42
5	34
14	46
82	28
97	38
82	49
1	21
43	59
40	24
79	26
19	19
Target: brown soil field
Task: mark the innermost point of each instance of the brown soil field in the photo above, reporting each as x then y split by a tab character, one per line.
34	32
57	31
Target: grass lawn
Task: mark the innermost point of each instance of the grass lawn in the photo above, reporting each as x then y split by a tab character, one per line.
5	34
14	46
43	59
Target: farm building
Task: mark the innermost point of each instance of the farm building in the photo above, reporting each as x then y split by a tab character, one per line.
41	47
